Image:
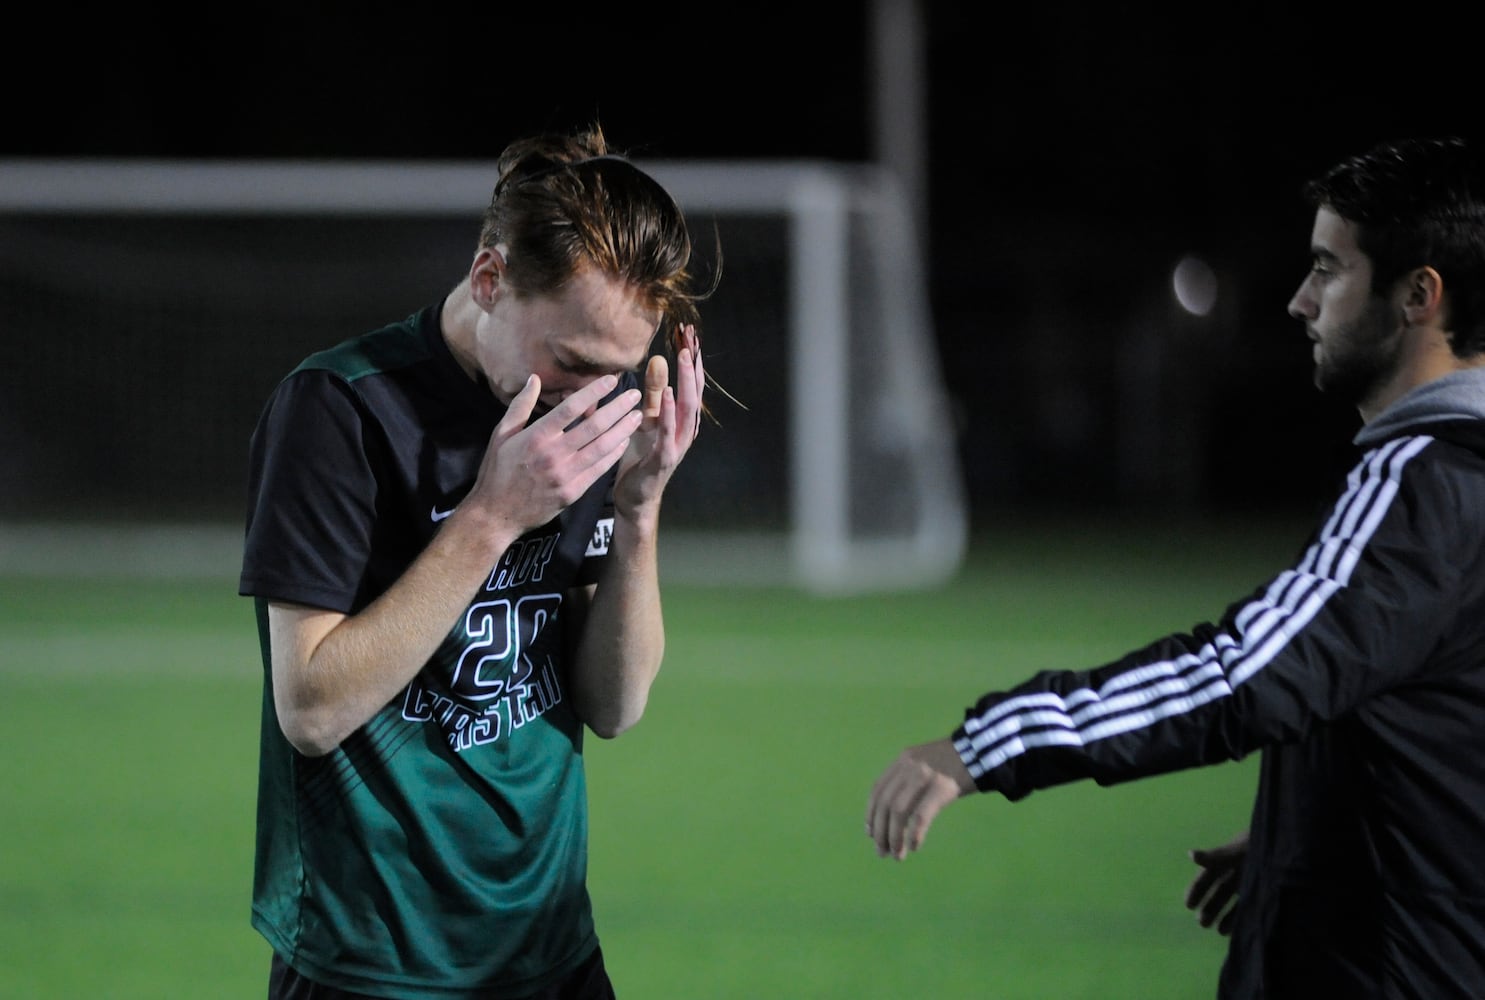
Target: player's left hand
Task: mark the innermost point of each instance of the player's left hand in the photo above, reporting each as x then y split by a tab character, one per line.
911	792
672	420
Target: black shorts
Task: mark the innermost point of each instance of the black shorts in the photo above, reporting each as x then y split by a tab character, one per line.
589	981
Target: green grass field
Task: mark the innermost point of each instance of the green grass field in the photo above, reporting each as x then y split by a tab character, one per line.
728	855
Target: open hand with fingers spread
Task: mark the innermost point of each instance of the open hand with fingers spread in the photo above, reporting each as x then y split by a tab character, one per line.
531	473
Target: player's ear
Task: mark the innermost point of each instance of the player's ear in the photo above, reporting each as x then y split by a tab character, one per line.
485	276
1423	296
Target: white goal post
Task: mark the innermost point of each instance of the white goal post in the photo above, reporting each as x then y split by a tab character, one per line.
856	302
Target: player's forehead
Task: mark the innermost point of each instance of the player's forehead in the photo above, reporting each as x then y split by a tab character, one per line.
599	323
592	355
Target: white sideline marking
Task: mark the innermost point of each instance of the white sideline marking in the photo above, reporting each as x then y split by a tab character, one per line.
141	652
102	551
214	551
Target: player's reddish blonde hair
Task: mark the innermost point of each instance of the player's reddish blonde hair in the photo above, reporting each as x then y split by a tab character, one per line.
563	202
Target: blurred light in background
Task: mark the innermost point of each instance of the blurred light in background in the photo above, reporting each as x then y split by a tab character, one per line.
1195	285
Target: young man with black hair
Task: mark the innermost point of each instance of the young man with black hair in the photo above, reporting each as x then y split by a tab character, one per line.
1358	672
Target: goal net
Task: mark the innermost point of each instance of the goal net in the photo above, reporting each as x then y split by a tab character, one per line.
149	307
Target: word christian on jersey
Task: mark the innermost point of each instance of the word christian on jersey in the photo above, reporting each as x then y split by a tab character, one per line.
502	668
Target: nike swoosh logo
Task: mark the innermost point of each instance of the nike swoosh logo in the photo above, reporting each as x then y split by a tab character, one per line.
439	515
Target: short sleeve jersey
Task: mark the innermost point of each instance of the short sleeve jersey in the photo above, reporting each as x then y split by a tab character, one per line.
441	849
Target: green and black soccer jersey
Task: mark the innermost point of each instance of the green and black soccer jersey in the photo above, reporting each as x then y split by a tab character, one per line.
442	848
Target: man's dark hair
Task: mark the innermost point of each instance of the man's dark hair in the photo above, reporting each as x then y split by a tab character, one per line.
1417	203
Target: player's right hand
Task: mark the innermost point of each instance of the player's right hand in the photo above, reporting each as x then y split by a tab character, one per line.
913	790
530	474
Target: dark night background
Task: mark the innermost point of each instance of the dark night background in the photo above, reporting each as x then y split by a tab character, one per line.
1073	154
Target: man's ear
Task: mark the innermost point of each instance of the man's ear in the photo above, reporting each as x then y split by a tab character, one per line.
486	275
1423	297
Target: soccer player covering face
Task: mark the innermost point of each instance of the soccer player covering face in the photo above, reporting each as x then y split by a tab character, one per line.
451	543
1358	672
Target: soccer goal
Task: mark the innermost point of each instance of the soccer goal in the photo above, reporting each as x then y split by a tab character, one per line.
153	304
